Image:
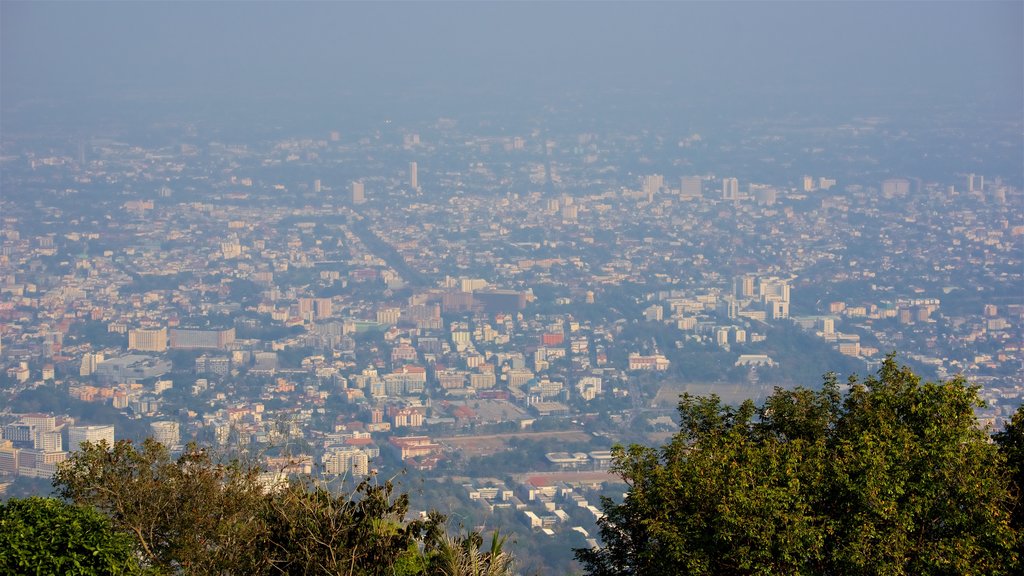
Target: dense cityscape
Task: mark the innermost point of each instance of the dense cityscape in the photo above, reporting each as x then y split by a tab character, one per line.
490	310
473	250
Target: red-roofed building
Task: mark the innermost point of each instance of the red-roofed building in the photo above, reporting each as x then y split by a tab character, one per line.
407	447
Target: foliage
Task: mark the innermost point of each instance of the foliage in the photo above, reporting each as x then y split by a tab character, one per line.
461	556
196	515
190	514
1011	444
311	531
895	478
47	536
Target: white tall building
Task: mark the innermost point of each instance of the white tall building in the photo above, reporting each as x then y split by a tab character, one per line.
975	183
79	434
414	179
147	340
652	185
775	296
358	192
774	288
49	441
352	461
730	188
89	362
166	432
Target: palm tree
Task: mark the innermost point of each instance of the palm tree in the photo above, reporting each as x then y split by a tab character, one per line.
461	556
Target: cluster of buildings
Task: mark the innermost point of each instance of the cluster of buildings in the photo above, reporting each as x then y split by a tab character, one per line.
33	445
308	293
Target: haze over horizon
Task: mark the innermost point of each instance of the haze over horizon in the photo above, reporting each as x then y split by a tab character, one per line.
732	56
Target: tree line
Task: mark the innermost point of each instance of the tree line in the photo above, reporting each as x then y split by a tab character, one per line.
128	509
894	476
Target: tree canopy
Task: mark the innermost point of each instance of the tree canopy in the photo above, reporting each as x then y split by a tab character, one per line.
196	515
48	536
893	477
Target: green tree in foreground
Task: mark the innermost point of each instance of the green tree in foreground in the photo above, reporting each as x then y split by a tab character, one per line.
312	531
461	556
190	514
1011	443
894	478
47	536
195	515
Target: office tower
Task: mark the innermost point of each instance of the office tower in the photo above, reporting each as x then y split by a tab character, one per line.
691	187
743	286
323	307
414	181
975	183
196	338
652	185
153	340
827	326
89	362
358	192
316	185
774	294
79	434
774	288
730	188
306	309
895	187
808	184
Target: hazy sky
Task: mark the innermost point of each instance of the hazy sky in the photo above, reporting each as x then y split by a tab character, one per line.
247	50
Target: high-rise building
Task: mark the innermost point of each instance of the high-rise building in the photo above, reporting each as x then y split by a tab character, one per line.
194	338
414	180
730	188
89	362
358	192
9	458
44	422
346	460
50	441
166	432
148	340
652	185
691	187
79	434
975	183
323	307
742	286
895	187
317	186
776	288
827	326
